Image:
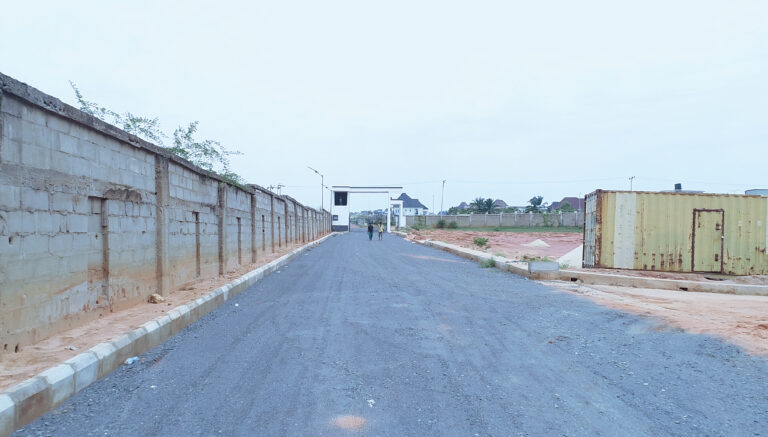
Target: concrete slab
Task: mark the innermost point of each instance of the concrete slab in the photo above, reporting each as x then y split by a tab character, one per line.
542	266
107	356
7	415
61	382
86	367
32	399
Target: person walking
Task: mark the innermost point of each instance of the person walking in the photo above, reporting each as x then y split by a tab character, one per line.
381	231
370	231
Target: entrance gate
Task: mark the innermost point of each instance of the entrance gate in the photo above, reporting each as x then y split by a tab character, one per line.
340	204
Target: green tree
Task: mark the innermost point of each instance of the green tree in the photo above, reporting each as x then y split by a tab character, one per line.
534	204
482	205
565	207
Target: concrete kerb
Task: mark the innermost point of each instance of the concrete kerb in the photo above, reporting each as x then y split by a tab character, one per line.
593	278
7	415
662	284
30	399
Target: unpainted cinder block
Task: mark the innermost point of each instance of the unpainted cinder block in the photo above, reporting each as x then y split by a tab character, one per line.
77	223
36	157
68	144
10	197
32	199
58	123
62	202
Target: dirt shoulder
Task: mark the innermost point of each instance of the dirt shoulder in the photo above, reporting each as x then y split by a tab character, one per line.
31	360
742	320
512	245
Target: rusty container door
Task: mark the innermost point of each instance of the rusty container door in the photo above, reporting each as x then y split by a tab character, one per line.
708	240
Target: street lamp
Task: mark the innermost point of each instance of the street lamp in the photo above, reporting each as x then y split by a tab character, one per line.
441	198
322	206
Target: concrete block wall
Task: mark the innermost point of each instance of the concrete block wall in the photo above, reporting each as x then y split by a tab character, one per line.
278	206
93	219
524	220
263	213
192	210
237	217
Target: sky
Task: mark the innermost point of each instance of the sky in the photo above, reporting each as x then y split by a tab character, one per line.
502	99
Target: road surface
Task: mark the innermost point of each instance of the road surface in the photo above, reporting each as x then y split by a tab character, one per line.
390	338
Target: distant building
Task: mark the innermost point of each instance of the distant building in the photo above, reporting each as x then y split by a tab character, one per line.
410	206
498	203
462	205
577	203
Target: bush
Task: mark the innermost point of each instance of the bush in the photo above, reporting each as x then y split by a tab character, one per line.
453	225
440	224
489	263
480	241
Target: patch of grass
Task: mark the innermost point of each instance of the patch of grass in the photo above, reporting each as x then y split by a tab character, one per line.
500	255
453	225
480	241
488	263
527	258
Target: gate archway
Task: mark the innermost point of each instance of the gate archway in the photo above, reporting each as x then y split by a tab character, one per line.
340	204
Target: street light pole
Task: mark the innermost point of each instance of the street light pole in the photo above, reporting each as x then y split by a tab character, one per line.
442	195
631	179
322	184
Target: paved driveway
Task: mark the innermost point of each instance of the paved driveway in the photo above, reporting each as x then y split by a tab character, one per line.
391	338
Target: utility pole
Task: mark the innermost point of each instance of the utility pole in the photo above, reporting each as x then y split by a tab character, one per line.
442	195
631	178
322	184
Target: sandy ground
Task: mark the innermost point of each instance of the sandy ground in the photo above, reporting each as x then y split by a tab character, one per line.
34	359
509	244
742	320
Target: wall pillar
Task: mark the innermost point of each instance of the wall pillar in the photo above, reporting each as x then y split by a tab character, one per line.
272	220
221	206
162	184
253	228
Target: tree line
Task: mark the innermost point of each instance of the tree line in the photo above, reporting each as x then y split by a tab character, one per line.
482	205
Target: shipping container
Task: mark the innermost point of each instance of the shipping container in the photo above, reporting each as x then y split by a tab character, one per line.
676	232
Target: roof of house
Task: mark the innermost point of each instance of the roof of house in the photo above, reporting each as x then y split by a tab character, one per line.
498	203
576	203
409	202
463	205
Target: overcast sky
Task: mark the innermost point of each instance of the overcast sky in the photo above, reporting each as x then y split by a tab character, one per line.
502	99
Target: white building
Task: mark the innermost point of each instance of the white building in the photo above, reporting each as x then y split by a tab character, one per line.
410	206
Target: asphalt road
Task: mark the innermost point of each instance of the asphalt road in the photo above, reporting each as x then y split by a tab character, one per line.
391	338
